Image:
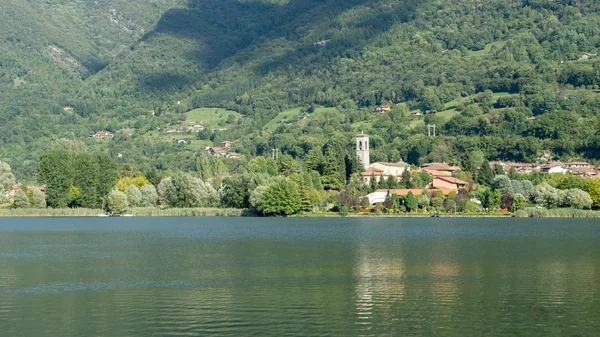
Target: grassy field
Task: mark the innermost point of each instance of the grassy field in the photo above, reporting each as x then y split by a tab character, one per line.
290	115
486	50
454	103
211	116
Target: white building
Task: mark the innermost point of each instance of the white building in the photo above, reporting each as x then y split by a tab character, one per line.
362	150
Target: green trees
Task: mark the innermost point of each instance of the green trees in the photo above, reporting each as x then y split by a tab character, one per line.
406	180
134	196
485	174
282	198
548	196
577	198
117	202
76	178
21	199
503	184
166	192
55	169
189	191
38	199
334	169
203	167
7	181
594	191
519	201
149	196
411	202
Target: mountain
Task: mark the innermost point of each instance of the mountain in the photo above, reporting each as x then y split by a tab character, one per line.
511	80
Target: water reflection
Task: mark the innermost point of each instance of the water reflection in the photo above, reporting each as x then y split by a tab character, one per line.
319	278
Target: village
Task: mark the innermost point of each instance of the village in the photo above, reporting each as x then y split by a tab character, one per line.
443	175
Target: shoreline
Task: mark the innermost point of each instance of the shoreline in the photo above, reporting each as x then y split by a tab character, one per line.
225	212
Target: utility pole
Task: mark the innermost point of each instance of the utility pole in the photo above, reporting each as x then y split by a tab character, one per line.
430	128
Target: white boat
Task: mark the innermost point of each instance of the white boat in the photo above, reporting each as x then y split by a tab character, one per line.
127	215
102	215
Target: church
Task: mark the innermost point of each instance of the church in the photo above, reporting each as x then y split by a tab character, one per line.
379	170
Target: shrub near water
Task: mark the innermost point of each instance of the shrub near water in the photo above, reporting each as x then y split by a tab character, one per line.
557	213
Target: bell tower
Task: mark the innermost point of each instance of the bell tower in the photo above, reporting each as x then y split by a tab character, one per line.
362	150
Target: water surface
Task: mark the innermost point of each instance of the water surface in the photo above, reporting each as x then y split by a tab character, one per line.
295	277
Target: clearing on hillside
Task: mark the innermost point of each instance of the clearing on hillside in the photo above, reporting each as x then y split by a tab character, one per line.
289	116
212	116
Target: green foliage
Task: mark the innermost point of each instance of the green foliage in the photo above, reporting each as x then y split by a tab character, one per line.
503	184
166	192
75	178
485	174
411	202
66	80
189	192
519	201
334	169
21	199
117	202
406	180
149	196
134	196
282	198
577	198
7	180
203	168
38	199
548	196
594	191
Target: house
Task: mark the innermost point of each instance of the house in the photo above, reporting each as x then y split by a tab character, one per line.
383	109
579	165
440	167
321	43
392	169
372	173
584	172
102	135
532	118
450	183
585	57
227	144
182	141
384	171
214	151
233	155
553	167
436	173
518	167
13	190
415	114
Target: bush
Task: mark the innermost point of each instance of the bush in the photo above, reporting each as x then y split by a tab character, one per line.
521	214
117	201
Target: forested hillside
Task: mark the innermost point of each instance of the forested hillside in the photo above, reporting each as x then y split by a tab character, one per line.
479	70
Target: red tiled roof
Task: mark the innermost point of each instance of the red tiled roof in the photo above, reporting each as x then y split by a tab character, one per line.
400	164
453	180
440	167
436	173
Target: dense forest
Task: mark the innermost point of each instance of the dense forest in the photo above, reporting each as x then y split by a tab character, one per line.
501	79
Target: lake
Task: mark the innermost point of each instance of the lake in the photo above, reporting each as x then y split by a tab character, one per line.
299	277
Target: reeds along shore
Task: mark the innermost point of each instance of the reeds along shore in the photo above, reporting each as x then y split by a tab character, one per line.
556	213
86	212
